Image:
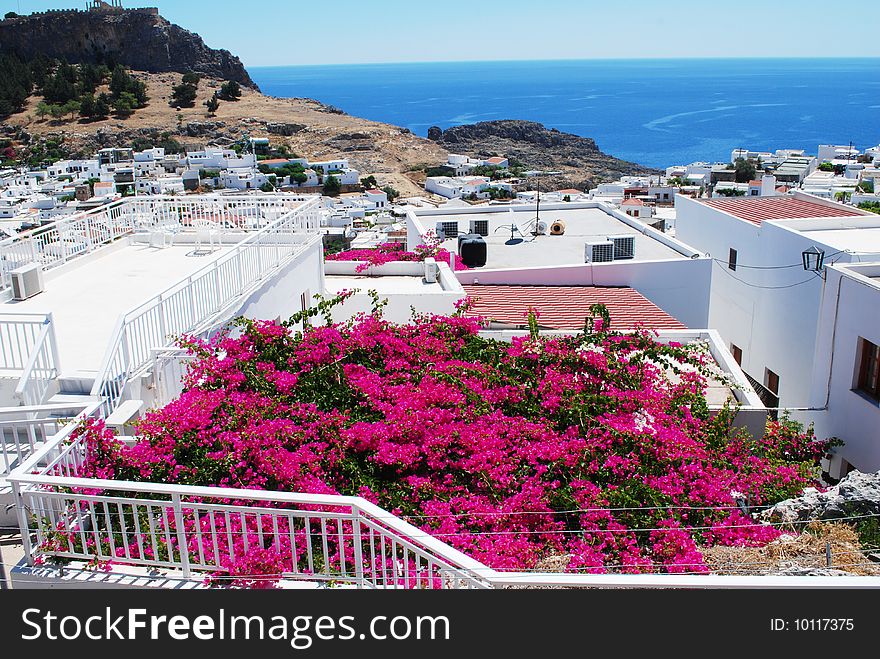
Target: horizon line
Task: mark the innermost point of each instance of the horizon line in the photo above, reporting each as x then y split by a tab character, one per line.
581	59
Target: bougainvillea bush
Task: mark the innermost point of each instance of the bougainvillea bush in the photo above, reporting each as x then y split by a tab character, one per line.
388	252
598	447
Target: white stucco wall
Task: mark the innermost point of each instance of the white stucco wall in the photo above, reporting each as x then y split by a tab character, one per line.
850	311
768	311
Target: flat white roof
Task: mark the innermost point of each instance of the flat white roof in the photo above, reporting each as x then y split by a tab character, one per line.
87	296
384	285
863	240
582	225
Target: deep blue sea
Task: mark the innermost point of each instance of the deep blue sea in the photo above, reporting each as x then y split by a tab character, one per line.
655	112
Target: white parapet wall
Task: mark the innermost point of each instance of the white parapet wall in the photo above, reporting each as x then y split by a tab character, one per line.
402	283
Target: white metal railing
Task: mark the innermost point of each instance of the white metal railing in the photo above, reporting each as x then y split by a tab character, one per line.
18	335
195	302
56	243
23	430
199	529
240	212
196	531
41	369
169	368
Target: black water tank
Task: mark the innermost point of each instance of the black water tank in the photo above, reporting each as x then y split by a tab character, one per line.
472	251
466	236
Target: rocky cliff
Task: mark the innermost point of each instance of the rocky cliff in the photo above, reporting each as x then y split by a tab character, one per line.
538	147
139	39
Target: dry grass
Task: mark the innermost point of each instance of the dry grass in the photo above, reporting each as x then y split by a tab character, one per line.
806	550
391	152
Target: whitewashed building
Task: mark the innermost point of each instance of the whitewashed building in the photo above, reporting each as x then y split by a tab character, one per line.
768	297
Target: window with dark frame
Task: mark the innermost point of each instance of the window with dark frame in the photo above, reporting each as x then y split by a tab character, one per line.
737	353
731	259
869	370
772	382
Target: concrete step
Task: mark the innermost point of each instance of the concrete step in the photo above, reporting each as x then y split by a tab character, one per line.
73	399
76	382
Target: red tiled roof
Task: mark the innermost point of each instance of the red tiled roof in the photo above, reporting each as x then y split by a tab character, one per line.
569	191
632	201
566	307
758	209
273	161
755	182
495	159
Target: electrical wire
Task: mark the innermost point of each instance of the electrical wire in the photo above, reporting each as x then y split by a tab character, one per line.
772	288
779	267
547	532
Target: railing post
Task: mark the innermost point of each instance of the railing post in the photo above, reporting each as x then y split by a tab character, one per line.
182	549
163	325
23	526
192	301
217	286
53	343
238	268
358	549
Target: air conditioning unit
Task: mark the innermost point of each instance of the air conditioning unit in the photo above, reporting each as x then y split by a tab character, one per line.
27	281
599	252
480	227
624	246
432	271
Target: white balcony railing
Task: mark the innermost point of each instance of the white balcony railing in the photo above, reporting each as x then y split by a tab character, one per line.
18	336
41	368
25	430
195	303
169	368
320	538
193	531
56	243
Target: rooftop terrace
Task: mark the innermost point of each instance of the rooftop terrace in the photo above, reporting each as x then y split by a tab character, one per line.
87	296
582	224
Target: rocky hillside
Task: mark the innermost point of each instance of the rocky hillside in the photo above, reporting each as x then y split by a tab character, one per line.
138	39
309	128
538	147
158	52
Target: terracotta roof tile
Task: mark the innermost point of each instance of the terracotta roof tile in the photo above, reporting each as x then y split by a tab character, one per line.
566	307
758	209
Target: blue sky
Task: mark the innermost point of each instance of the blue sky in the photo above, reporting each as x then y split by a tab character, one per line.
348	31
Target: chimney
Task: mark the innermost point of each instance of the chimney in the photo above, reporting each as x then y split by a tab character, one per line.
768	185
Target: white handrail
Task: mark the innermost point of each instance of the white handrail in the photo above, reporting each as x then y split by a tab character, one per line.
331	537
41	368
24	429
18	336
57	242
189	304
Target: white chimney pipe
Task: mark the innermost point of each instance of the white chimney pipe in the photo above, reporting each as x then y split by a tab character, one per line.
768	185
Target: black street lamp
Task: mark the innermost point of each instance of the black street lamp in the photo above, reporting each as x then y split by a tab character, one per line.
814	259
